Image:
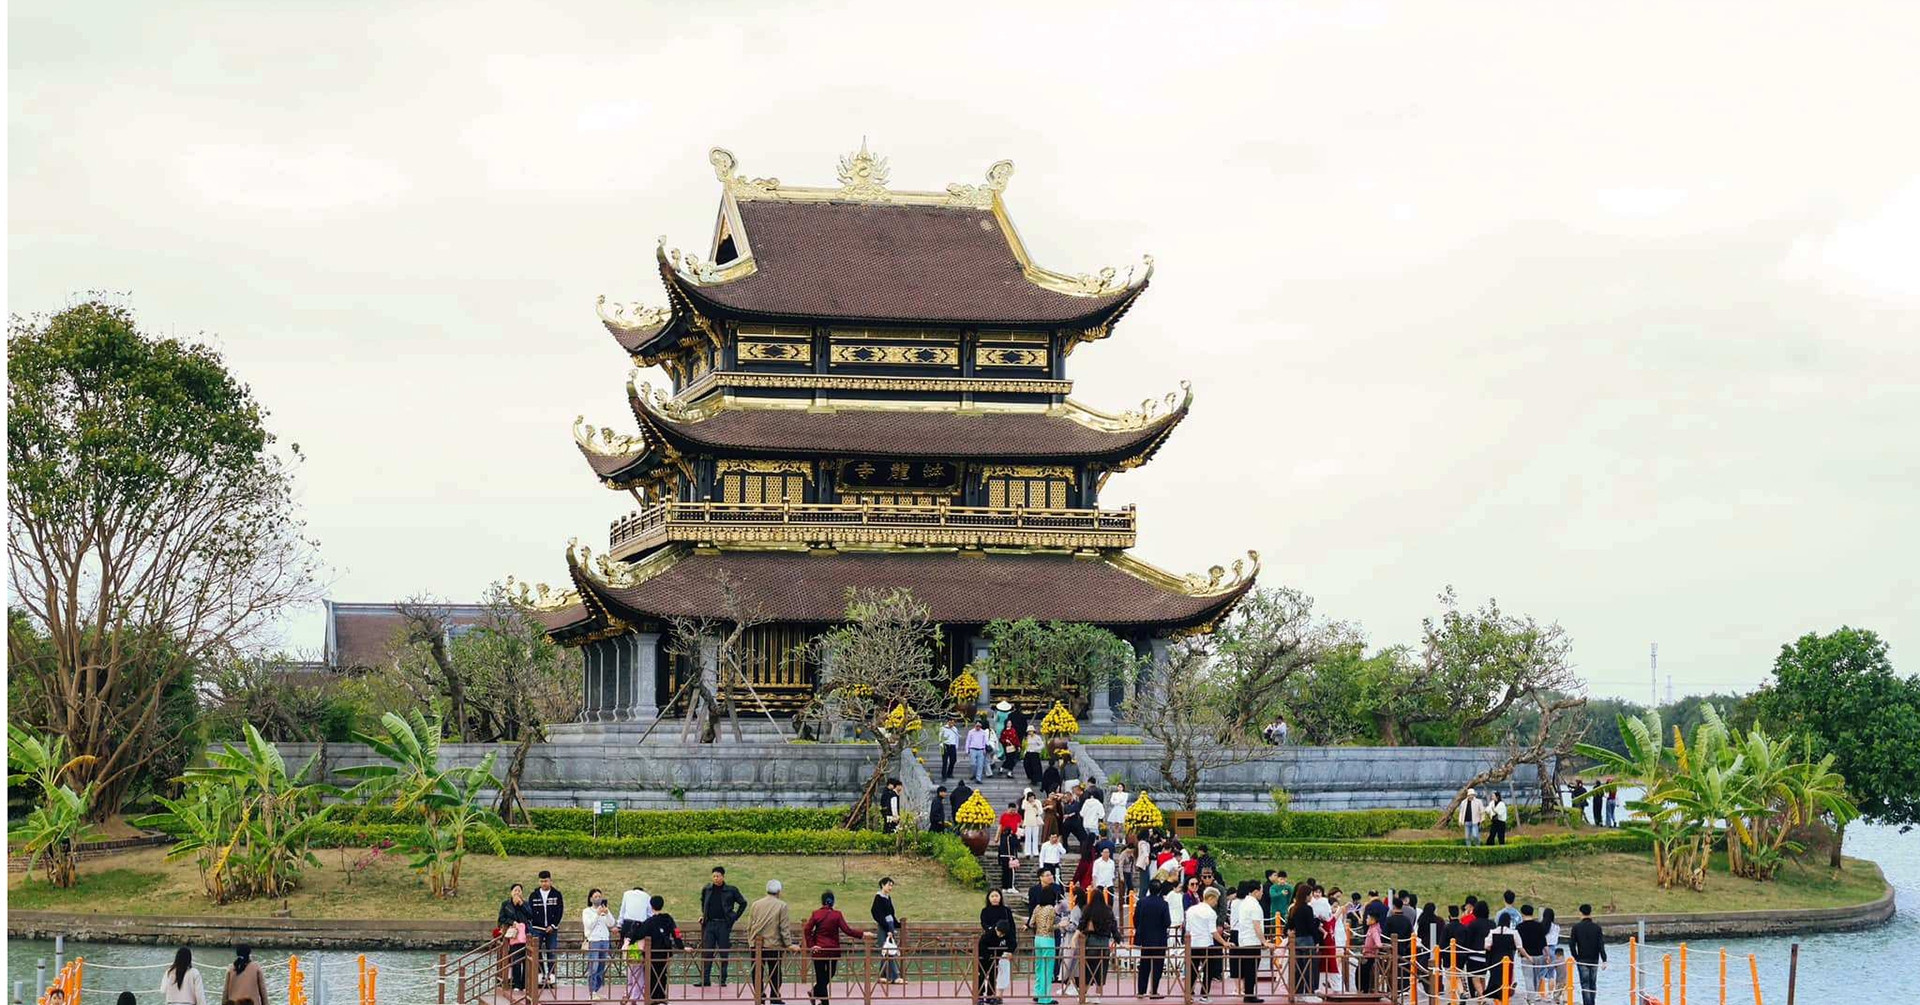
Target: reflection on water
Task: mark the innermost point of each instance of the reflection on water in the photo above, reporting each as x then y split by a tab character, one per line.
1870	963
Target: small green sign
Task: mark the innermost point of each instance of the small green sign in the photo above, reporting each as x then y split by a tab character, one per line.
606	806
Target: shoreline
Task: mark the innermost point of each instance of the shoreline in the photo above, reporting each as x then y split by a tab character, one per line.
396	934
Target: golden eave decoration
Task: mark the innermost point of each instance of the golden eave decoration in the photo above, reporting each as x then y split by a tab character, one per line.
1151	411
605	441
539	596
637	318
1217	581
863	178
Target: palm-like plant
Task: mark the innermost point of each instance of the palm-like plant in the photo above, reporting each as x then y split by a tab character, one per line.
448	799
248	819
52	832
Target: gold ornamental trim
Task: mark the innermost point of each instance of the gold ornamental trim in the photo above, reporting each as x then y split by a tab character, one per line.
633	317
854	524
1151	410
752	350
605	441
1026	471
539	596
865	354
725	466
847	382
1009	356
1217	581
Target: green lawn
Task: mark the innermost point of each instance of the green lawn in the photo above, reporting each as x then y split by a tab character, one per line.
143	882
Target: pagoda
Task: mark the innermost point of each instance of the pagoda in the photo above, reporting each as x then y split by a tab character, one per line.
867	388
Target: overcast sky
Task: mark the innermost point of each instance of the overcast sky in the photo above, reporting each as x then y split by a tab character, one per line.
1610	311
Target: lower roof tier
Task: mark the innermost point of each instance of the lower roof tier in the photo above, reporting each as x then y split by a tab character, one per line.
961	587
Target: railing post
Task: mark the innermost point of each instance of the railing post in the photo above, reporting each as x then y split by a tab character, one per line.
1753	967
1683	973
1506	979
1633	968
440	985
866	972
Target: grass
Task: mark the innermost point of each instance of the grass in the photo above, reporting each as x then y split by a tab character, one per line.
1614	883
143	882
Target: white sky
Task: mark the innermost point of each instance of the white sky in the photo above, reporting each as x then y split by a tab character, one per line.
1607	310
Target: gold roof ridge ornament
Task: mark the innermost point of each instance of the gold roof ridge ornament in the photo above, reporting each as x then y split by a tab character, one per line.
1215	582
631	317
700	272
539	596
605	572
1146	415
863	177
612	442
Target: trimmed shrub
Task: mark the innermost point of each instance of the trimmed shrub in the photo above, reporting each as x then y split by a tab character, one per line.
576	844
1445	852
1313	825
953	854
638	823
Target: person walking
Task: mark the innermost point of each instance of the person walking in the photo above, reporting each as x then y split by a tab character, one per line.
1050	778
886	928
1117	812
978	741
1105	872
1249	938
1092	814
937	812
1009	749
1052	852
545	909
1497	820
662	936
1369	954
1203	944
1613	806
1502	945
1042	923
1553	967
181	984
1007	840
596	930
769	933
892	803
514	921
1533	949
949	747
1589	953
1151	920
1073	907
1035	746
1471	812
821	935
997	942
721	905
246	985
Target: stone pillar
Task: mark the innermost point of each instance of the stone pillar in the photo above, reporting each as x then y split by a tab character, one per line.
1100	712
589	662
622	695
646	675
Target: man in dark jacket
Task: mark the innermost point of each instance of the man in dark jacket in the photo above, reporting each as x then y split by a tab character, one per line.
544	910
721	904
961	793
1151	919
892	802
1045	892
937	811
1589	952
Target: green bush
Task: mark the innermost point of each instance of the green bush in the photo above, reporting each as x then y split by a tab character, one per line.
956	857
1312	826
1445	852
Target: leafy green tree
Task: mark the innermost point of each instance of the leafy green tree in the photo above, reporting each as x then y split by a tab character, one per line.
1269	640
151	529
1186	706
1840	692
1055	656
877	670
494	680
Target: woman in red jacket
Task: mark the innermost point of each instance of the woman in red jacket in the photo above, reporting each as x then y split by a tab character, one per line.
821	935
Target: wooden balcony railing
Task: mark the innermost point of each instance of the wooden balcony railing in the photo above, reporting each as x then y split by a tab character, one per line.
863	523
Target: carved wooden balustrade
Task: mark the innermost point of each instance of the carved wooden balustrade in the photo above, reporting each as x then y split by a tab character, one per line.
870	523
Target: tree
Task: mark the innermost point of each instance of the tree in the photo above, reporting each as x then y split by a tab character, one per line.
499	678
1841	693
1338	699
696	642
1474	666
877	670
1543	738
1055	656
1270	638
1186	706
151	529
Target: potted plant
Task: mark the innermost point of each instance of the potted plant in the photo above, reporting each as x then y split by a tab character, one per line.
1143	815
1059	726
973	818
965	692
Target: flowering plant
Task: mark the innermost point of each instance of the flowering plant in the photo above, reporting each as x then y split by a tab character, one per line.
975	812
1059	722
965	689
1144	815
901	719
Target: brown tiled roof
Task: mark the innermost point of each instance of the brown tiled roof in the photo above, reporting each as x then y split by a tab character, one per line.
882	433
960	589
362	636
891	263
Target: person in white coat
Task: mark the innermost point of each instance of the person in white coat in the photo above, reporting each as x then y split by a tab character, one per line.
1472	814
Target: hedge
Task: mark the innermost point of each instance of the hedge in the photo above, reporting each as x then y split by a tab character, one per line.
1453	853
1312	825
576	844
635	823
961	864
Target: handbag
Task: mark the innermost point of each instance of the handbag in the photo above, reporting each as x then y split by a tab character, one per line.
1003	979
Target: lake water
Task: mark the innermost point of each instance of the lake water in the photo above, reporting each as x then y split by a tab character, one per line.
1868	966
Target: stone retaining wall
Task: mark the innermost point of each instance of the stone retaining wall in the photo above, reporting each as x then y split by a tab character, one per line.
1327	778
654	777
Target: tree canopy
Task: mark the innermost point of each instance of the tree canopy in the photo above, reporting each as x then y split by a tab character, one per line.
1840	692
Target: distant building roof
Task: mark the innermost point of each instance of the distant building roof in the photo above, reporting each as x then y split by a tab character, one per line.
362	636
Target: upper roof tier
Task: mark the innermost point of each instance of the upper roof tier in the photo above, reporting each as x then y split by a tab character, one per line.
864	252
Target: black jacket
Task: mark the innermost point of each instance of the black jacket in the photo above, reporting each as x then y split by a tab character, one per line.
883	917
661	931
961	793
546	908
722	905
1038	895
890	805
511	912
1589	945
937	814
997	933
1150	922
1533	936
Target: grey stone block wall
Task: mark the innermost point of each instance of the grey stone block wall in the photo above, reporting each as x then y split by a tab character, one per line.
1327	778
716	776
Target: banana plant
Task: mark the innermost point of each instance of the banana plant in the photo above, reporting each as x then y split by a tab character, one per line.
51	834
448	799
